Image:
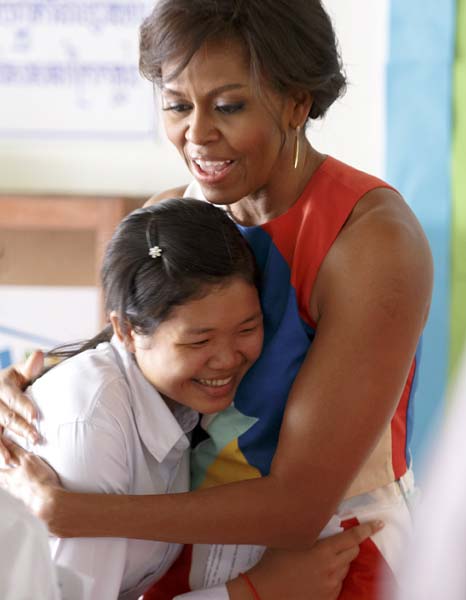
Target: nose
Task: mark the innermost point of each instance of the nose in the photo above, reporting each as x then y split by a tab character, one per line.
200	129
226	357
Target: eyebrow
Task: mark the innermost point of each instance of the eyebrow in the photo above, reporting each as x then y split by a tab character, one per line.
214	92
201	330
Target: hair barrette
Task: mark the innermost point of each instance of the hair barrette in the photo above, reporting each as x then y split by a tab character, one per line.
155	251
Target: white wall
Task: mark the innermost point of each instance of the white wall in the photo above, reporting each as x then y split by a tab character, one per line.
354	129
42	317
100	136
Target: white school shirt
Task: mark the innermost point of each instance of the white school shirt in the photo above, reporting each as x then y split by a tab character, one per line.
107	430
26	570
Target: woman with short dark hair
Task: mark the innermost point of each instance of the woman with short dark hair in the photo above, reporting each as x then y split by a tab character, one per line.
319	433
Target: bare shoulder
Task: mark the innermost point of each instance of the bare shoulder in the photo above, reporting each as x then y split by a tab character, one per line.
171	193
382	245
383	204
384	222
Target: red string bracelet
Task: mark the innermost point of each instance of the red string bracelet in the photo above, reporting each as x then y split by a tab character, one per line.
250	585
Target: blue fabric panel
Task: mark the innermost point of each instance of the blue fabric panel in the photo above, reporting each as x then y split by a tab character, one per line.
410	414
419	132
264	390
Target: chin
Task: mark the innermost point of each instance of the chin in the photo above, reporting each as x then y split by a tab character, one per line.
218	196
215	407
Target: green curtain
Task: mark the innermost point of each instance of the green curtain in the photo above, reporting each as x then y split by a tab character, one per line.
458	309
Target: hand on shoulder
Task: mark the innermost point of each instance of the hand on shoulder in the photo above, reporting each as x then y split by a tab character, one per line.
16	410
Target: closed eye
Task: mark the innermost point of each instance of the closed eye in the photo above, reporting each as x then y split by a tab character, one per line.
198	344
247	330
177	108
229	109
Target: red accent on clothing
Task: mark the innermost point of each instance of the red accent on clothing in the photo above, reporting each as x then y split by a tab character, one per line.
369	575
304	236
398	426
176	579
305	233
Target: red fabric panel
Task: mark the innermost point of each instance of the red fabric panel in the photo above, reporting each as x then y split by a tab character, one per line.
398	425
176	579
304	234
369	573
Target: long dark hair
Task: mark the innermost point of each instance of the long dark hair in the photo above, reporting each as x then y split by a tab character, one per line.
163	256
290	43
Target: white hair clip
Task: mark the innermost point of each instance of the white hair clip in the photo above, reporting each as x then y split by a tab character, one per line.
155	252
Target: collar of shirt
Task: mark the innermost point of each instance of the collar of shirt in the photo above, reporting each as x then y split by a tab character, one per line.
194	190
159	428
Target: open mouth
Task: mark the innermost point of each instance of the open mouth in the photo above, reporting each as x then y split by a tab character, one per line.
212	170
215	383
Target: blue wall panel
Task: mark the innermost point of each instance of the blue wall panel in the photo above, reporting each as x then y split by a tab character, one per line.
419	139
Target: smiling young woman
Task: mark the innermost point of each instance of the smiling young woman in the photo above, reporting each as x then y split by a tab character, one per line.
319	429
210	343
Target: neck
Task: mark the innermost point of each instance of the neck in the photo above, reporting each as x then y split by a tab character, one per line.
278	195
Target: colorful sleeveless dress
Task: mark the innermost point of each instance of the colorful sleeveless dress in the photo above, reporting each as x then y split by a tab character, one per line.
242	440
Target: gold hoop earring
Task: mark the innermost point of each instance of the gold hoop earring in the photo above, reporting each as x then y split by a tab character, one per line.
297	147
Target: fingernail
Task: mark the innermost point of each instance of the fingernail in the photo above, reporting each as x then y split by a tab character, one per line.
379	524
13	462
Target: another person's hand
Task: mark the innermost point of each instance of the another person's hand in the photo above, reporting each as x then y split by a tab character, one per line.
16	410
31	480
317	573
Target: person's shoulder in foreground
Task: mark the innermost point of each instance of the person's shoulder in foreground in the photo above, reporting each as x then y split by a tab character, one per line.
26	569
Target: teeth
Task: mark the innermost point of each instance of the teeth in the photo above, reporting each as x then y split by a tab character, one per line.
215	382
212	166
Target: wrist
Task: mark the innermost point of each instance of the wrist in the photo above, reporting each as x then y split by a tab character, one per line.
250	585
48	502
243	588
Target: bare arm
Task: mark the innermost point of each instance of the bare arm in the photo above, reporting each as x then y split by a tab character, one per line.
316	573
373	287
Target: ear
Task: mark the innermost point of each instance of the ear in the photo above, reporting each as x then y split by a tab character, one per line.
301	103
127	337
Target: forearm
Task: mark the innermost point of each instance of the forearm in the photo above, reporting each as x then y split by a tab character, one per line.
259	511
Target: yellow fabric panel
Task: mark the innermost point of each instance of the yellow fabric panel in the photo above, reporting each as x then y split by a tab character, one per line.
230	465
